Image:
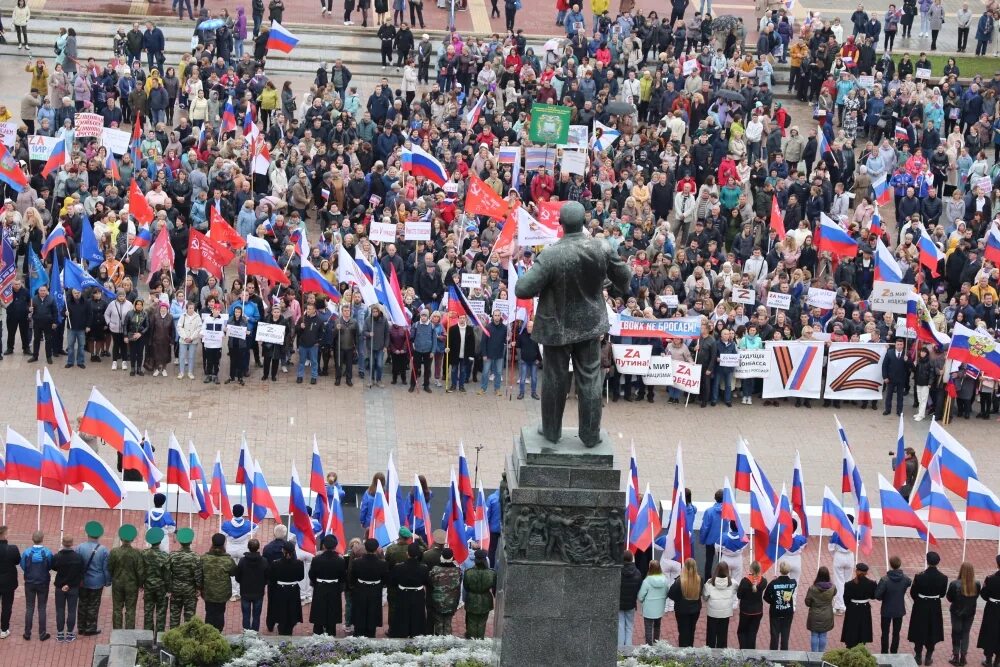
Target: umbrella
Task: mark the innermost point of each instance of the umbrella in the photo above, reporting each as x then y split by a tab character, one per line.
733	95
211	24
619	108
553	44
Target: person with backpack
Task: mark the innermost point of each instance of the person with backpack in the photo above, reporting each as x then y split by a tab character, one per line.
36	562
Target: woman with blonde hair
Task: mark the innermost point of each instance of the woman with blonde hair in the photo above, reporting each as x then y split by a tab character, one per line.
686	594
963	594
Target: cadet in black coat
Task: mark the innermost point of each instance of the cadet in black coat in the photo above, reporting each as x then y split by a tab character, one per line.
408	614
926	621
328	576
367	576
10	557
989	631
858	594
284	608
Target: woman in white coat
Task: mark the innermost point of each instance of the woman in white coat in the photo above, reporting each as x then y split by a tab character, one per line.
189	326
720	595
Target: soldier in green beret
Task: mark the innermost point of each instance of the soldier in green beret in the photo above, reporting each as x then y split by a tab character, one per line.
218	567
480	582
128	569
155	584
95	577
185	579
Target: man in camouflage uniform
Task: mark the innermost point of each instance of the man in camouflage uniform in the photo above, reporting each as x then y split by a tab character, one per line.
128	569
184	579
445	585
480	581
217	568
155	584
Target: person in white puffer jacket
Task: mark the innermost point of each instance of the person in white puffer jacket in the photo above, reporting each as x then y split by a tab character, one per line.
189	326
719	593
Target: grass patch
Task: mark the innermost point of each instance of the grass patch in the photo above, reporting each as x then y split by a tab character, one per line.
968	66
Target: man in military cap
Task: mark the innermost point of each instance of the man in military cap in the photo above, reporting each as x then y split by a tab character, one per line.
128	570
284	607
408	616
185	579
217	568
445	581
155	583
480	583
95	577
160	517
368	575
432	558
328	575
394	555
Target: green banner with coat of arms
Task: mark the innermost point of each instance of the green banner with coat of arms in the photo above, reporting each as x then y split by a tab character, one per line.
549	124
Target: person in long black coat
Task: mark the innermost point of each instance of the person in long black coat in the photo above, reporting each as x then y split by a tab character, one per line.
284	607
408	614
926	622
989	630
328	576
858	594
368	575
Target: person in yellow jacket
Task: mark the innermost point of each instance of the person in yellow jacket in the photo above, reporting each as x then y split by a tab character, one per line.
5	113
39	76
154	76
599	7
269	101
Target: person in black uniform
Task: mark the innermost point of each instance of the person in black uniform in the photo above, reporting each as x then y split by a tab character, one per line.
328	576
963	594
284	608
408	614
858	594
989	630
926	623
368	576
895	376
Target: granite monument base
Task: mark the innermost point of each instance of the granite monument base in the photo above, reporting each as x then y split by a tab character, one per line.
560	554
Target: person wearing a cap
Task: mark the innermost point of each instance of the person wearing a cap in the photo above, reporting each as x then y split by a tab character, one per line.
154	584
989	630
368	575
185	577
328	576
284	606
68	566
408	615
858	594
444	587
926	622
160	517
127	568
480	582
217	568
95	577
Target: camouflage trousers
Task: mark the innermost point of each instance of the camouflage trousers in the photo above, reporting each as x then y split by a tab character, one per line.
154	607
475	625
188	602
89	609
123	599
442	623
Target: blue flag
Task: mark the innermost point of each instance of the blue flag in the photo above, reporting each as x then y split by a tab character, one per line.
8	271
37	275
89	249
56	288
74	277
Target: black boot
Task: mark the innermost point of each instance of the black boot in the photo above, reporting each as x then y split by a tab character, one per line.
929	658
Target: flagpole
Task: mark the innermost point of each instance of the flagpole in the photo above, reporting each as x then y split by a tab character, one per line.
38	519
885	539
927	541
965	537
777	546
5	502
857	541
819	549
62	514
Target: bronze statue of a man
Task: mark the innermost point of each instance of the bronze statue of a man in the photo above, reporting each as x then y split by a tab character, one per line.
568	278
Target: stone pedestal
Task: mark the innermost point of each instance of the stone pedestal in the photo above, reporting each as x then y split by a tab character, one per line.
560	554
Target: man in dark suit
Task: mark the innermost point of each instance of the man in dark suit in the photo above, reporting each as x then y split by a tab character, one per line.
44	316
571	317
895	376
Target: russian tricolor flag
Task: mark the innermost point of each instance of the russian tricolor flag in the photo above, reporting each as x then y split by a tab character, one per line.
632	497
53	465
747	468
465	485
763	519
956	462
899	460
992	251
647	524
481	526
419	162
896	511
177	466
280	39
918	319
301	523
317	484
394	500
886	266
473	114
57	158
835	520
831	237
228	122
982	505
941	512
56	238
799	495
311	280
50	409
111	164
263	501
24	461
678	538
930	254
883	195
218	490
974	348
729	513
84	466
260	261
455	523
378	529
137	457
336	524
105	421
143	237
244	469
852	482
199	484
421	510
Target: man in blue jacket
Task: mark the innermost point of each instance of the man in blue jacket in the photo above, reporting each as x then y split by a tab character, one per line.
708	534
35	563
495	520
95	578
153	43
492	347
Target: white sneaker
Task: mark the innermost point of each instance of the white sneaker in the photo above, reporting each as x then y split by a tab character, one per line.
114	365
180	376
124	365
284	369
4	634
156	372
190	376
749	400
918	418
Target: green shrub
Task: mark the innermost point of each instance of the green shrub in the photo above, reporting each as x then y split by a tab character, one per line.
859	656
197	644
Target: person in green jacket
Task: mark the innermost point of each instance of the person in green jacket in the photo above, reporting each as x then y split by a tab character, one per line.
480	583
653	597
155	583
185	578
217	568
128	570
